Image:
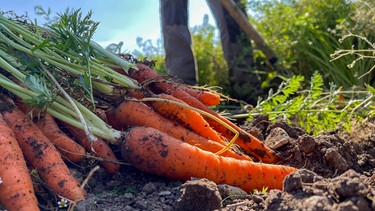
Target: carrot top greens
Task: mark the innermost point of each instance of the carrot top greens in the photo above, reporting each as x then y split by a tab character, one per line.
62	69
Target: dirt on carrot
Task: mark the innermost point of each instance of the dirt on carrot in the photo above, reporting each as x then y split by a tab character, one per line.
133	113
69	149
152	150
16	188
249	144
208	98
184	116
98	148
41	153
336	173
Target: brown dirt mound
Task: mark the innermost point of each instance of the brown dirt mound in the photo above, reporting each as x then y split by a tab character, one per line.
336	174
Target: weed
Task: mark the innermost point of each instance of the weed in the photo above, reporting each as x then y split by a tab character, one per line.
314	109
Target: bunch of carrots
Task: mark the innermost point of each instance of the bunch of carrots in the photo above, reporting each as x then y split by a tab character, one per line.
160	126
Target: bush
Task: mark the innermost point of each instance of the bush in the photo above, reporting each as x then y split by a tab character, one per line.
309	32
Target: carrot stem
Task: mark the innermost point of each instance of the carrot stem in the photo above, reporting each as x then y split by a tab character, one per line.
63	110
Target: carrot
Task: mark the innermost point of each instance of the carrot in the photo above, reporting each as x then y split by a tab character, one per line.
147	74
16	189
185	117
158	153
68	148
250	144
101	114
131	113
98	148
41	153
208	98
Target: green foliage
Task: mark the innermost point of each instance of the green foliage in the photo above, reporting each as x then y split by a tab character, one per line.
212	68
358	58
313	109
75	32
38	86
308	32
263	191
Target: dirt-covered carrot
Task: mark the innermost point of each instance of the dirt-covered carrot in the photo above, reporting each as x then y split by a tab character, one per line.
147	74
158	153
98	148
41	153
16	188
250	144
184	116
69	149
132	113
209	98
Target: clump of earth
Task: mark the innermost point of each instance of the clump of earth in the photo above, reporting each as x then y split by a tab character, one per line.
336	173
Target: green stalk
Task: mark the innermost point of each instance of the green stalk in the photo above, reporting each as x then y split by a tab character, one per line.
16	38
62	63
122	63
50	53
20	76
63	110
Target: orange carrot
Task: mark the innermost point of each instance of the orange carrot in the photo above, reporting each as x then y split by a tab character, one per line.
158	153
98	148
184	116
68	148
16	188
101	114
147	74
41	153
250	144
131	113
208	98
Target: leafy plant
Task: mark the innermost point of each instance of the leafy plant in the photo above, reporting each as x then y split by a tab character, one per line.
314	109
309	33
212	68
358	57
263	191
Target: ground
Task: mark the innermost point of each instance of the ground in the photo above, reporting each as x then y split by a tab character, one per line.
336	173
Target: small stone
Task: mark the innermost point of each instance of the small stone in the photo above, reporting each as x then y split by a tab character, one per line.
293	182
149	188
200	195
228	190
277	138
165	193
335	160
306	144
257	199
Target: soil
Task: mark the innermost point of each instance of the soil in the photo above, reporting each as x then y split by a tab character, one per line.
336	173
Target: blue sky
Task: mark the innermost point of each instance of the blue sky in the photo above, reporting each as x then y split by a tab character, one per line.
120	20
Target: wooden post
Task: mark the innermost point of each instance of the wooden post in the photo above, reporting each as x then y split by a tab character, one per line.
245	25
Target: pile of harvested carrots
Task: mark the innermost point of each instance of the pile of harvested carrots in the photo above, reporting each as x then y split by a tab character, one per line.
160	137
166	128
